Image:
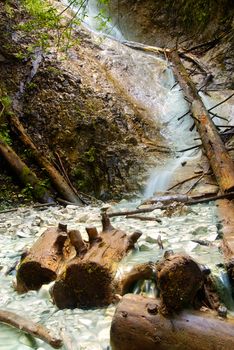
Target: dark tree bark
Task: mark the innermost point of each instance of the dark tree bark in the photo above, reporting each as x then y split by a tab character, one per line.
42	262
138	324
220	161
89	281
24	174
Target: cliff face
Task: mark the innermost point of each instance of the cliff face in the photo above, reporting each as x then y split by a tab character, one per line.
165	23
182	23
71	108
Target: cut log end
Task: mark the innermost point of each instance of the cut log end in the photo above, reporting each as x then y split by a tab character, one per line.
26	280
179	279
91	284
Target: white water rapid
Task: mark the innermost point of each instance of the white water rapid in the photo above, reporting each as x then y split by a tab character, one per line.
149	81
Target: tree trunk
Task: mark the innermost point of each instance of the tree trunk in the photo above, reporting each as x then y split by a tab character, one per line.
57	179
24	174
220	161
41	264
88	280
146	271
137	325
226	214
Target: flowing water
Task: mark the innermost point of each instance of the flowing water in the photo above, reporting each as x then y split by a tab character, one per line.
149	80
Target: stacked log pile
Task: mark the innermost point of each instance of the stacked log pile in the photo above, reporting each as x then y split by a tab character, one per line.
84	271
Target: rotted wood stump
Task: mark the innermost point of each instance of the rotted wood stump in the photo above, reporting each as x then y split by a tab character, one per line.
89	280
179	278
138	324
41	263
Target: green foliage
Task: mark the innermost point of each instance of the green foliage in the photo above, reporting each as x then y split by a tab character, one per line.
5	134
5	102
90	155
47	24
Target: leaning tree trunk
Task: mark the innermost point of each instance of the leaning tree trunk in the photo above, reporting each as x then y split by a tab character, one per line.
26	176
88	280
138	324
56	178
220	161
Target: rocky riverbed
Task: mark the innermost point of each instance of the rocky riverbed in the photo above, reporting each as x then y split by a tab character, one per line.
89	329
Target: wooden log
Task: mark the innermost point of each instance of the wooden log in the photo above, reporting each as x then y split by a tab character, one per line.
88	281
220	161
226	228
146	271
179	278
24	174
57	179
204	198
137	324
41	263
93	234
28	326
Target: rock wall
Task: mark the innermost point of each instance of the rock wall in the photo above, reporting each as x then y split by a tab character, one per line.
70	107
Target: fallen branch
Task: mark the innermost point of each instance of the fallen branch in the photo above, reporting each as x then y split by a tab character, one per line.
143	218
36	206
195	183
220	103
183	181
190	148
28	326
132	212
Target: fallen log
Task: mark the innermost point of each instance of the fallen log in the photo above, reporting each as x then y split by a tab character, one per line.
28	326
146	271
226	228
179	278
89	280
41	263
138	324
220	161
26	176
187	200
56	178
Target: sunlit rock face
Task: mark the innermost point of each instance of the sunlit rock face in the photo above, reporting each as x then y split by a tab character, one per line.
183	24
163	23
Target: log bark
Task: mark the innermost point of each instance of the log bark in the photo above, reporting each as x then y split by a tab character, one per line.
42	262
24	174
137	324
226	228
57	179
179	278
220	161
146	271
88	281
27	326
203	198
